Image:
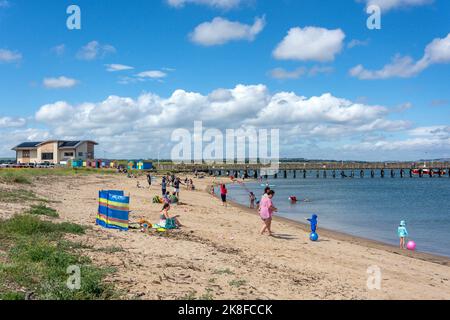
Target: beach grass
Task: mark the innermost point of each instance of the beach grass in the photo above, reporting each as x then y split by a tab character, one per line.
26	175
43	210
20	195
237	283
34	260
224	271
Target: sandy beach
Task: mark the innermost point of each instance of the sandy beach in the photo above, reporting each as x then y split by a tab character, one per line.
219	253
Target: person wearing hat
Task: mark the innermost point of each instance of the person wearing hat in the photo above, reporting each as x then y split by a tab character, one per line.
402	234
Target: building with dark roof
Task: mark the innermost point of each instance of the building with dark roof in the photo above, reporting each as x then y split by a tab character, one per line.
54	151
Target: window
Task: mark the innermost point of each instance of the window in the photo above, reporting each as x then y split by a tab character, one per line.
26	153
47	156
80	154
68	154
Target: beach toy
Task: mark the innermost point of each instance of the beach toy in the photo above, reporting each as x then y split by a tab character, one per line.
314	236
411	245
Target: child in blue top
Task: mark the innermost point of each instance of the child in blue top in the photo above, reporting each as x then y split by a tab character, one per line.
313	222
402	234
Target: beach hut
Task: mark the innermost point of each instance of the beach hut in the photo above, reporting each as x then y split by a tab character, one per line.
144	165
113	210
131	165
77	163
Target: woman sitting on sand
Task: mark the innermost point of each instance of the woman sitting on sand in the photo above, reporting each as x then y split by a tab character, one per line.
165	218
266	210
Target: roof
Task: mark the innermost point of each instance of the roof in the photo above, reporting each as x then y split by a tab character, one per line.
61	144
29	145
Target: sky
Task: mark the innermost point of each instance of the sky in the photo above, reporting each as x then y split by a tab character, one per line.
138	70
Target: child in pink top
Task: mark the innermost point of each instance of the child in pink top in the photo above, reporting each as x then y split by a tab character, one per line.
266	210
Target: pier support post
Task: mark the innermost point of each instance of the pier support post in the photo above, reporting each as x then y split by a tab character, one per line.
402	173
304	174
334	174
392	173
295	174
382	173
318	174
275	176
361	174
285	174
410	173
325	174
255	175
372	173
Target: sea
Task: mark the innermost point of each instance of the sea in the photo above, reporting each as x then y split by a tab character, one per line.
367	207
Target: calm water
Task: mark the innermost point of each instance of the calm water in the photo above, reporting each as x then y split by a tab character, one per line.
370	208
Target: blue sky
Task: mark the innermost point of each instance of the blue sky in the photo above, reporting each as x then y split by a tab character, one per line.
54	82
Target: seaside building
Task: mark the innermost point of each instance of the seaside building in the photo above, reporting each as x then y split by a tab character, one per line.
54	151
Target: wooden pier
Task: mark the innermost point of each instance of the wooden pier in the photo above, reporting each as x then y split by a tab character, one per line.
322	170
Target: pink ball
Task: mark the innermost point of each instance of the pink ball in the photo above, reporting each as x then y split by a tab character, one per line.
411	245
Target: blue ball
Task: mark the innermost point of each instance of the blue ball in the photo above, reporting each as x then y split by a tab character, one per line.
314	236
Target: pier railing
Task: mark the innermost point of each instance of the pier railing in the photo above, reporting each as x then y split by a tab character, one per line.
304	166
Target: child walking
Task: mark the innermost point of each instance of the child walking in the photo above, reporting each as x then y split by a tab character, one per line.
402	234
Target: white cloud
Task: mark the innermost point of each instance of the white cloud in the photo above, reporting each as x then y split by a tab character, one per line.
56	112
318	126
8	122
152	74
8	56
222	4
387	5
357	43
59	50
220	31
94	50
117	67
310	44
436	52
59	83
282	74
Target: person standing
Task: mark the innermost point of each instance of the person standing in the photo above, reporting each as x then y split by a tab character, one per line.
149	179
252	200
266	210
164	186
223	194
402	234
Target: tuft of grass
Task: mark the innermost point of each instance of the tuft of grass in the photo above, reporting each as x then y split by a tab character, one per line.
11	177
15	196
224	271
237	283
27	225
12	295
43	210
207	296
